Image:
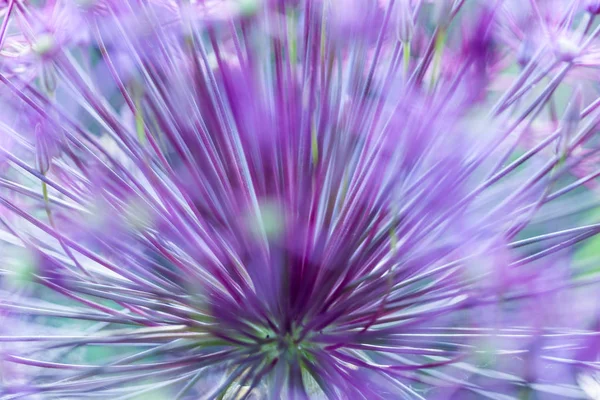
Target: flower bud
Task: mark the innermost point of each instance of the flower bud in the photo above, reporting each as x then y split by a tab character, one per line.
44	44
573	111
443	12
405	25
42	156
570	120
592	6
565	49
525	52
48	79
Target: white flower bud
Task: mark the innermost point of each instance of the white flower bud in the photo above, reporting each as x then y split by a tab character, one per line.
566	49
44	44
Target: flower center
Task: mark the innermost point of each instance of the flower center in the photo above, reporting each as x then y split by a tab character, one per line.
283	346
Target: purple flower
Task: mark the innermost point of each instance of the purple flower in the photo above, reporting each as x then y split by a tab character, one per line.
298	199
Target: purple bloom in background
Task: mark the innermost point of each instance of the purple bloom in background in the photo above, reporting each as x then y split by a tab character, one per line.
274	199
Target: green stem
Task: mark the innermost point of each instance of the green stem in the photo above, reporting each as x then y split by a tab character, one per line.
440	41
406	58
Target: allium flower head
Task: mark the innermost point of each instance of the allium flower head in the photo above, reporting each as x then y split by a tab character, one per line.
234	199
